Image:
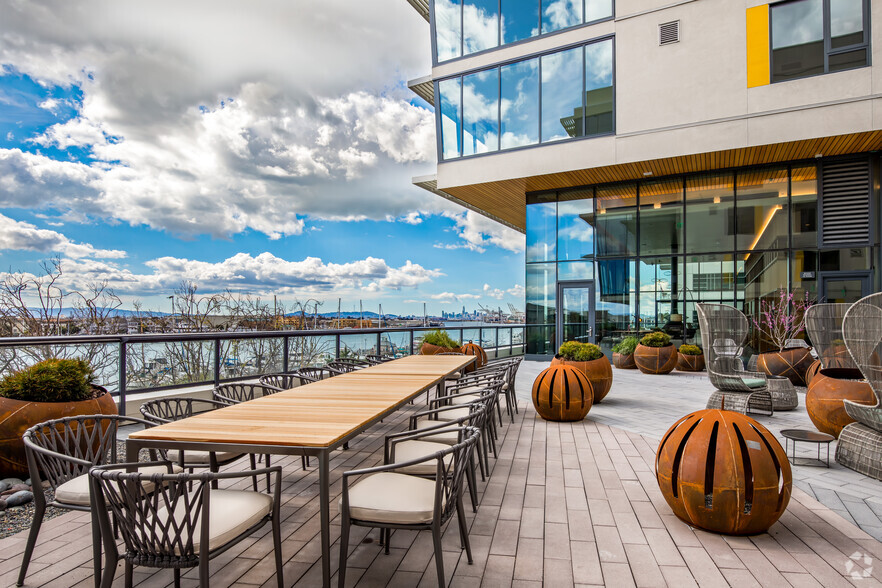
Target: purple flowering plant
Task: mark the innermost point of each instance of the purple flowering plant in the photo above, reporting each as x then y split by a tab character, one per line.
782	318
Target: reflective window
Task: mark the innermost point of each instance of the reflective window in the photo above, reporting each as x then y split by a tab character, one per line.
660	290
520	20
761	202
541	231
710	213
804	206
450	95
575	225
540	295
562	95
763	273
560	14
846	23
520	104
616	214
615	307
448	33
480	22
661	217
575	270
599	88
598	9
480	112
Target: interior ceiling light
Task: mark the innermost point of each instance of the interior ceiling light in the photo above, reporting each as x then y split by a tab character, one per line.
716	199
762	230
647	173
657	205
819	155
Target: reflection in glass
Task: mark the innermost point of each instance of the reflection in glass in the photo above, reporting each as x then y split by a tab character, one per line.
577	305
480	21
540	294
804	206
540	340
661	217
598	9
710	213
846	23
520	20
764	272
520	104
480	111
568	271
762	209
560	14
575	225
659	291
541	231
797	39
847	60
562	95
449	91
599	88
803	274
708	278
448	32
616	214
615	307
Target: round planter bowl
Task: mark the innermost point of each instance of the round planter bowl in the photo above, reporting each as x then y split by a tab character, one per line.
837	356
828	389
812	371
429	349
690	363
476	350
599	372
624	362
790	363
656	360
562	393
17	416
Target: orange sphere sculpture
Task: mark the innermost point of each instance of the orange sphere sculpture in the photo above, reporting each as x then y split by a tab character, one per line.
476	350
723	472
562	393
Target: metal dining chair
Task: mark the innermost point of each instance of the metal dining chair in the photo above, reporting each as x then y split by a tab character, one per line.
347	364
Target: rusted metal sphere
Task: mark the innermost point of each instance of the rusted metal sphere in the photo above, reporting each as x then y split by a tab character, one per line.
599	372
690	363
790	363
624	362
656	360
723	472
823	400
476	350
812	371
562	393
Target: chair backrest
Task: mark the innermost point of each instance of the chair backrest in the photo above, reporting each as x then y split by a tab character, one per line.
823	323
312	374
724	329
166	410
347	364
375	359
449	477
237	392
280	381
862	331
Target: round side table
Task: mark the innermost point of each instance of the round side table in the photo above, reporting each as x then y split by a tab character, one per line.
806	436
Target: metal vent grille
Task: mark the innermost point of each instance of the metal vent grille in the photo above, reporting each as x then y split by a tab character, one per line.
669	32
845	202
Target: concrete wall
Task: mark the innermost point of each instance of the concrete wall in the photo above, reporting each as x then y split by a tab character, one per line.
685	98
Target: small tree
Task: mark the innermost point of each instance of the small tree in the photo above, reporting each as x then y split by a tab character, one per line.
782	318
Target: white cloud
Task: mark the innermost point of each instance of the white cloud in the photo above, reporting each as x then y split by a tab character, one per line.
478	231
22	236
516	291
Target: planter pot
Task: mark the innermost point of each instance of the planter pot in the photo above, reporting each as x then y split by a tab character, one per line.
598	370
429	349
656	360
17	416
812	371
476	350
837	356
562	393
790	363
624	362
828	389
690	363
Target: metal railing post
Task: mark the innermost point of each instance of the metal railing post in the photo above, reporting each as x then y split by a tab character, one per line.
285	343
337	346
217	347
379	342
496	347
123	360
410	349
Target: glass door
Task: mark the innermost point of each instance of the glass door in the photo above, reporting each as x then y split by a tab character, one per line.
844	287
575	312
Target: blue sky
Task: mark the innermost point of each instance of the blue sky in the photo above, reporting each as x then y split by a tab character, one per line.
273	161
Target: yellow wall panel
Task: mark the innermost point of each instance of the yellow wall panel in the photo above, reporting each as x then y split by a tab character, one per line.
758	46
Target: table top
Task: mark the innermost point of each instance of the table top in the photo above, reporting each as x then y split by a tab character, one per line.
807	435
318	414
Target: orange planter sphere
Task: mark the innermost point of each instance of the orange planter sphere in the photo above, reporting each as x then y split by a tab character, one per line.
429	349
476	350
812	371
562	393
823	400
690	363
656	360
790	363
599	372
723	472
624	362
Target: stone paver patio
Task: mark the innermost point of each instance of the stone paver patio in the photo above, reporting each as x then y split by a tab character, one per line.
571	503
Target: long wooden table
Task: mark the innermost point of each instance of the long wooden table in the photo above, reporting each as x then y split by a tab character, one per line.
308	420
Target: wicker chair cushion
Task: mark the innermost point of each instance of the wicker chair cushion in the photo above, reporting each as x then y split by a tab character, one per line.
454	376
76	490
446	437
232	512
754	382
469	398
387	497
200	458
409	450
452	415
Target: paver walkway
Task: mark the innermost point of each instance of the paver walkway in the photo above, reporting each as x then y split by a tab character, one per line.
570	503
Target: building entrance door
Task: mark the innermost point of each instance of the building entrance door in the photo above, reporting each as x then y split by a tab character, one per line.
575	312
844	286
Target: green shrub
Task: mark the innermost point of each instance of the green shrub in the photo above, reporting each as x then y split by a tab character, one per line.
656	339
575	351
51	380
626	346
690	350
441	339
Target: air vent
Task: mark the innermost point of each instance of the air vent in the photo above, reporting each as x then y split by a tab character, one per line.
669	32
845	202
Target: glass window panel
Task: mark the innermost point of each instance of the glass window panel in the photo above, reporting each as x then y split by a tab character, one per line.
575	270
598	9
480	22
541	231
616	228
575	225
710	278
660	291
615	308
540	295
848	60
804	206
846	23
803	274
560	14
480	112
761	203
540	340
661	217
599	88
710	213
562	95
520	20
448	29
520	104
764	272
450	98
797	39
845	260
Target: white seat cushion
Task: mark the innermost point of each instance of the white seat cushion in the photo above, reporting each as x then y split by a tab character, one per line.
387	497
76	490
464	398
200	458
452	415
446	437
231	513
415	449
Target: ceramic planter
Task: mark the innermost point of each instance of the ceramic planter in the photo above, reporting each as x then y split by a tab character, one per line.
823	400
690	363
624	362
656	360
598	370
790	363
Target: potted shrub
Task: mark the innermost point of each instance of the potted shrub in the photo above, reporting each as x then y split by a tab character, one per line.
623	353
690	359
655	354
51	389
438	341
590	360
781	320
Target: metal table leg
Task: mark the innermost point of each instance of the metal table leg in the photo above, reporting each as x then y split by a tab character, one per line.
324	509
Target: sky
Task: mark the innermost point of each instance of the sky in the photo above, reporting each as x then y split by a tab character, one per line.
264	147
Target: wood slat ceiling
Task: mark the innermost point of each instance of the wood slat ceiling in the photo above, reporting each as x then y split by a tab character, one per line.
506	199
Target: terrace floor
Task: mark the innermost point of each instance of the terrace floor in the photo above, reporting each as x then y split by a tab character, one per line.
567	503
